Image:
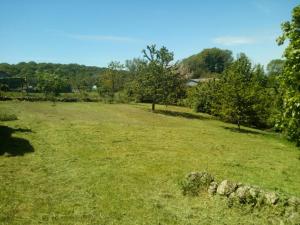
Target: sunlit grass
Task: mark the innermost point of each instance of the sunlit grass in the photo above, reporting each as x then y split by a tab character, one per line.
121	164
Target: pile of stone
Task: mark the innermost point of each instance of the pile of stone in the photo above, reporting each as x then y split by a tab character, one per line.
244	194
197	182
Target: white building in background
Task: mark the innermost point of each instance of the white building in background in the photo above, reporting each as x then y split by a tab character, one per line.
194	82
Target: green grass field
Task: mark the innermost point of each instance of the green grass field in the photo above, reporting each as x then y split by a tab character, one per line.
93	163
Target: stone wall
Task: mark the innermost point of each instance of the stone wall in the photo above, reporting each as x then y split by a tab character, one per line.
241	194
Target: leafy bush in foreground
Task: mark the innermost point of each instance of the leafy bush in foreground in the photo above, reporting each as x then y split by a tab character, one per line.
290	78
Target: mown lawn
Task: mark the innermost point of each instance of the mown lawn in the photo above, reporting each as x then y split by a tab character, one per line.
93	163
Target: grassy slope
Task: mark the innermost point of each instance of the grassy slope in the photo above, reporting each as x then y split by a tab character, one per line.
121	164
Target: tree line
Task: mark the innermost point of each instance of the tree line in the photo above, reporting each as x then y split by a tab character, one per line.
32	76
232	89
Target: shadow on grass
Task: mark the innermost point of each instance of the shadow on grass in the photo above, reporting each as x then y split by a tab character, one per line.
242	131
13	146
180	114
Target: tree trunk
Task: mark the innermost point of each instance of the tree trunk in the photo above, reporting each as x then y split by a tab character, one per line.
238	123
153	106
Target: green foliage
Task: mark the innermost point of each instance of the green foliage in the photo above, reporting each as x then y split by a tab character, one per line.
136	69
241	95
4	87
275	67
274	71
79	76
209	62
175	88
204	97
236	97
52	85
14	83
112	81
156	80
290	78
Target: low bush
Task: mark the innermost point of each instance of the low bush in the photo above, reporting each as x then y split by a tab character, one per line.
195	182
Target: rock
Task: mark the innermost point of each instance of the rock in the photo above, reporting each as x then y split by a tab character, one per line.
238	193
233	195
294	218
247	194
271	198
294	203
226	188
260	198
254	192
203	178
195	181
212	189
239	184
206	178
243	194
192	176
232	198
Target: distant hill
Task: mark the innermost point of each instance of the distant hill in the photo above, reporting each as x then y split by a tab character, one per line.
24	69
208	63
29	73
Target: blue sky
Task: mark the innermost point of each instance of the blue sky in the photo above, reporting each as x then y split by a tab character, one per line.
94	32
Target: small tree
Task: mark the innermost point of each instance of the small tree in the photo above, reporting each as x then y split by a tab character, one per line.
242	93
290	78
111	81
52	85
175	88
157	81
205	97
233	96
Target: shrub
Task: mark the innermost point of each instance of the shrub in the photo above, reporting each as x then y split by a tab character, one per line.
195	182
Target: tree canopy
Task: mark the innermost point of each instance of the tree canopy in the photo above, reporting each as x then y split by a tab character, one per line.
112	80
79	76
290	78
156	80
207	63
